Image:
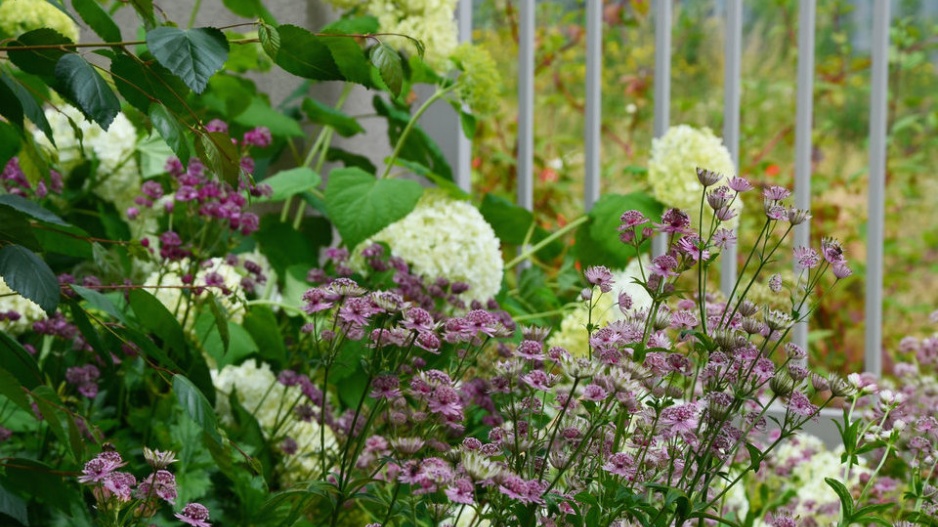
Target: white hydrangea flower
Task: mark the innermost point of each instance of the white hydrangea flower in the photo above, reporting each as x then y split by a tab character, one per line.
11	301
167	286
20	16
117	173
672	169
572	334
272	405
444	237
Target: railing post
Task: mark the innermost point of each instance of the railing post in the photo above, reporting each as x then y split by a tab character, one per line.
463	172
662	86
594	60
803	144
731	85
525	166
879	87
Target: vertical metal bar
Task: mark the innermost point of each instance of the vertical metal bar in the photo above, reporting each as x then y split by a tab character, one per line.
732	75
879	87
463	144
804	113
594	64
526	105
662	85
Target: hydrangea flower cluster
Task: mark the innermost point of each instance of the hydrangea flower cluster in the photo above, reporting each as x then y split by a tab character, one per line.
17	313
479	82
445	238
117	175
675	158
19	16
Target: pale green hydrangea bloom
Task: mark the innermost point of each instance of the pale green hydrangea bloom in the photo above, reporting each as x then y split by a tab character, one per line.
19	16
28	311
672	169
167	286
479	83
118	176
572	335
272	404
444	237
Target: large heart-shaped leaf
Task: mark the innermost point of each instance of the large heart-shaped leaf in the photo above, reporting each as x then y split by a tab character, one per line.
360	205
194	55
287	183
27	274
87	89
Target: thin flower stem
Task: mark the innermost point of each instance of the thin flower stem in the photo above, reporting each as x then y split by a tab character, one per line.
546	241
437	95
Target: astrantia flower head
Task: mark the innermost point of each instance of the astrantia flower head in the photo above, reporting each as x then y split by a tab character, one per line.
479	82
672	169
448	238
194	514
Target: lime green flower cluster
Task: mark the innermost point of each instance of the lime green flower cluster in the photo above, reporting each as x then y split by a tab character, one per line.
19	16
672	169
429	21
480	83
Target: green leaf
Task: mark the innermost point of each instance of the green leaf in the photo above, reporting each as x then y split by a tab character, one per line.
270	39
196	406
360	205
358	25
19	362
144	8
305	55
221	155
142	84
261	323
9	143
97	19
13	390
153	315
244	8
388	62
31	108
170	130
218	313
194	55
13	506
510	222
10	106
418	146
597	241
350	59
37	480
350	159
846	500
259	113
87	89
16	229
755	457
30	276
50	407
100	302
285	246
320	113
31	208
40	61
287	183
91	335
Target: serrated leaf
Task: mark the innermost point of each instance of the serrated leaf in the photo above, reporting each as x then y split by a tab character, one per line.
13	506
196	406
290	182
218	313
30	276
320	113
153	316
597	241
13	390
38	61
170	130
19	362
10	106
388	62
350	59
360	205
194	55
14	227
304	54
142	84
97	19
32	110
144	8
9	143
221	155
87	89
270	39
31	208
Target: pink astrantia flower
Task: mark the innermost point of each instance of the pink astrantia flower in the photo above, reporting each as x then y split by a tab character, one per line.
601	276
194	514
101	467
461	491
806	257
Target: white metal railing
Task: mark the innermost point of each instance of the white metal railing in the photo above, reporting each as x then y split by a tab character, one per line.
733	12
